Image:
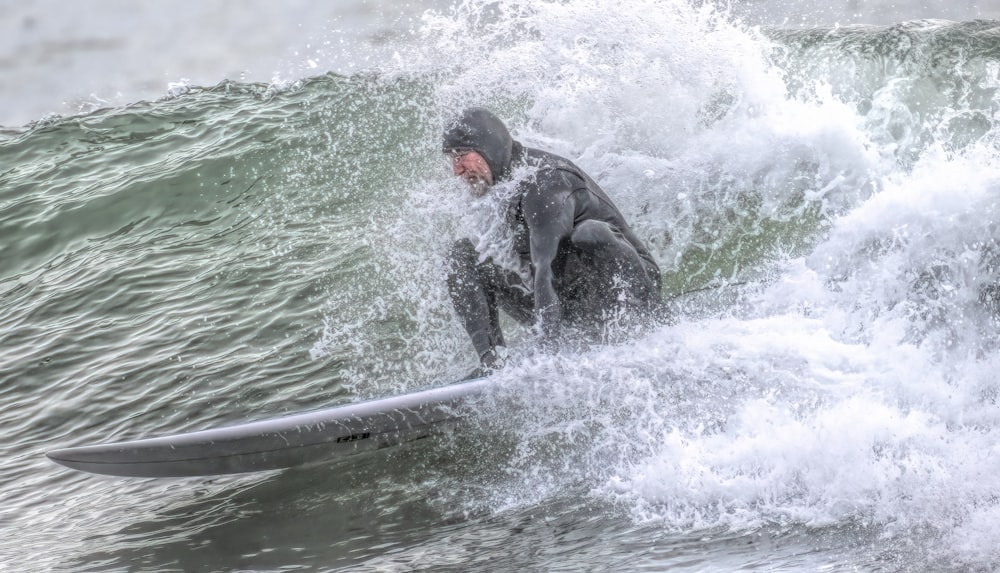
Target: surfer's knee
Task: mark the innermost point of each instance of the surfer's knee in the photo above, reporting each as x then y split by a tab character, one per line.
463	250
591	235
462	256
462	261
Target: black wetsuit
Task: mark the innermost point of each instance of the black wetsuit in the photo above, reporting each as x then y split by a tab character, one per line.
585	261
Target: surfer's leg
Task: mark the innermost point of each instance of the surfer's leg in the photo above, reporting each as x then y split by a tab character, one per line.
478	291
609	274
474	303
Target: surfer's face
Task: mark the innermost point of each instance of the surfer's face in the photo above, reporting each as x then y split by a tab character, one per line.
474	170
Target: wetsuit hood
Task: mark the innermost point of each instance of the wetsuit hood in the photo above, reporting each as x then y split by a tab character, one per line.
479	130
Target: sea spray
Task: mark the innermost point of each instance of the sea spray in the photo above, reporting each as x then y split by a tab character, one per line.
862	199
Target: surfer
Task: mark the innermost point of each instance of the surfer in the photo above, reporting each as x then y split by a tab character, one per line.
586	266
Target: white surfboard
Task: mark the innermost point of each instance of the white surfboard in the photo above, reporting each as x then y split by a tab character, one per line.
281	442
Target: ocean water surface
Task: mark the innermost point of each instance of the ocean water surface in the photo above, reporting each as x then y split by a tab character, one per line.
822	198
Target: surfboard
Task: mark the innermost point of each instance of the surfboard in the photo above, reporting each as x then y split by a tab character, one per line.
283	442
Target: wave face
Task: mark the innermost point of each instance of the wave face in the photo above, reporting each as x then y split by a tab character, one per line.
823	203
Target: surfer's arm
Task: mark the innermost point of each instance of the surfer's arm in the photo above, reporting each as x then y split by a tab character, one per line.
549	212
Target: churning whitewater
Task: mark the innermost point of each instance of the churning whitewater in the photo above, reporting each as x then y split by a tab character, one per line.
823	204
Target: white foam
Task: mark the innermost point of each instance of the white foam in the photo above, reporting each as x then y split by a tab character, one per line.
855	386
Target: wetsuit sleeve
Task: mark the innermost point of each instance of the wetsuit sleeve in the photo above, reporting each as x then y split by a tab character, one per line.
549	211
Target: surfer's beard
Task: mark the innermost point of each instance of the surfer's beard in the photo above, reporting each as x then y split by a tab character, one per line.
478	187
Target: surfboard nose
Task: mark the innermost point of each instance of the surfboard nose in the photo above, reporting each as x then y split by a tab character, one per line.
93	459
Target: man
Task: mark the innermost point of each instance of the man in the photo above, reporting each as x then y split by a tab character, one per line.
585	262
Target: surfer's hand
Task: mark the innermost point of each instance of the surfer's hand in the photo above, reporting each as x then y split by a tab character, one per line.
494	358
491	361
